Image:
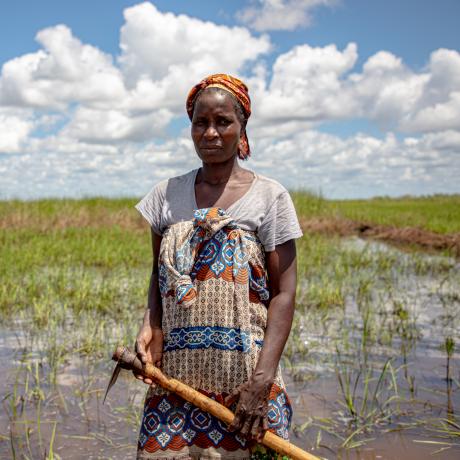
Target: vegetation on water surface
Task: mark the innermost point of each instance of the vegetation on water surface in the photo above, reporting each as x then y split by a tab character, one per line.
74	282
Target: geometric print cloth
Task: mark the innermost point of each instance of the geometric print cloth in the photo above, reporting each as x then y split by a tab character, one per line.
213	247
214	293
172	424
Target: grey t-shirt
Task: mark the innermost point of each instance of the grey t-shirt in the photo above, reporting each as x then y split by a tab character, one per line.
265	208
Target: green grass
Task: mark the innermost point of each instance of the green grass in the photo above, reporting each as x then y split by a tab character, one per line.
439	213
45	209
86	267
95	253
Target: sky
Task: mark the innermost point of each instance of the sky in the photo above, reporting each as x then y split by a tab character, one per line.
350	98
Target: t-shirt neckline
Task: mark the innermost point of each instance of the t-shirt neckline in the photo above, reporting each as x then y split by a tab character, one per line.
239	200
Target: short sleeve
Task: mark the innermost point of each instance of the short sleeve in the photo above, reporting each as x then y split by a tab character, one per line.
151	207
280	224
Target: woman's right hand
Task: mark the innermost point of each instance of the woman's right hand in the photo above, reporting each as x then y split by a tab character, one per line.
149	348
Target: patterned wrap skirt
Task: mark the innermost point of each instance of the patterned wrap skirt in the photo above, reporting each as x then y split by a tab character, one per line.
214	293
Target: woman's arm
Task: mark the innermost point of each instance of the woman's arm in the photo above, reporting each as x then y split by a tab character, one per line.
149	341
251	411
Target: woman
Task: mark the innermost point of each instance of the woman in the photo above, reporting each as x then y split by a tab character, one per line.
222	290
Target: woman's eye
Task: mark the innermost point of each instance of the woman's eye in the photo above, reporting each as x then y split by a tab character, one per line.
224	122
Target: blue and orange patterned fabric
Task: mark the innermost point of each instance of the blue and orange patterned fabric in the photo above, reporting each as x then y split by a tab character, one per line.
215	295
170	423
214	249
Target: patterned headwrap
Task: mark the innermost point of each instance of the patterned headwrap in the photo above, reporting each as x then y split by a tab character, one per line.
235	87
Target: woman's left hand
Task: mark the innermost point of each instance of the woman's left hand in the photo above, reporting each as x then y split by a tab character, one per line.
251	411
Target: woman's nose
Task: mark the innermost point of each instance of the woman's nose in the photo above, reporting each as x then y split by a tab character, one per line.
211	132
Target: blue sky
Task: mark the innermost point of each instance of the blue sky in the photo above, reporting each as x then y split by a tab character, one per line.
370	97
411	29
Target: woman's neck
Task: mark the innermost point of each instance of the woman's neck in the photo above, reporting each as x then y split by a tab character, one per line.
215	174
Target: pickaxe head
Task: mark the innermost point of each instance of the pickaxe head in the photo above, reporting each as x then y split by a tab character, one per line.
125	359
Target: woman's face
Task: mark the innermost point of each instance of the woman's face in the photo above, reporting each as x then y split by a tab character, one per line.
216	129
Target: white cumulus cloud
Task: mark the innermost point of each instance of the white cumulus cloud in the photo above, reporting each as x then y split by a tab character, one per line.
362	165
164	54
355	166
107	126
64	71
76	120
320	84
307	83
134	98
263	15
15	127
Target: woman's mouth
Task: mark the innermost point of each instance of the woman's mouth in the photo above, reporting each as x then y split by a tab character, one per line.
211	149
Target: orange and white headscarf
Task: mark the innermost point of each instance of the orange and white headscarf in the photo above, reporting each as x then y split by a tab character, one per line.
235	87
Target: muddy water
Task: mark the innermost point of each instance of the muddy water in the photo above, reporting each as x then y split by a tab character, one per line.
404	321
405	325
83	427
33	408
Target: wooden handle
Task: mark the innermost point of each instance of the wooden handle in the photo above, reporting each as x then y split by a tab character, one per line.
128	360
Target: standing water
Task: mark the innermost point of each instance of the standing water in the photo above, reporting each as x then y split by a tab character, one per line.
371	364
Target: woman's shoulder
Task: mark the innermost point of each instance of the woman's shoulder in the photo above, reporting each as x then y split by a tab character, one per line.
279	222
172	192
268	189
183	178
168	201
173	184
272	184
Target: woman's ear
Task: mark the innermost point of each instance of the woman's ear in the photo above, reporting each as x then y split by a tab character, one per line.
243	146
242	138
243	132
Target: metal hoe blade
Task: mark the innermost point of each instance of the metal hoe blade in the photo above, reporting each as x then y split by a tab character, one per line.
113	379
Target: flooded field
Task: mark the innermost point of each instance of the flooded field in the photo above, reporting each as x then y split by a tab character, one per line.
378	376
371	365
